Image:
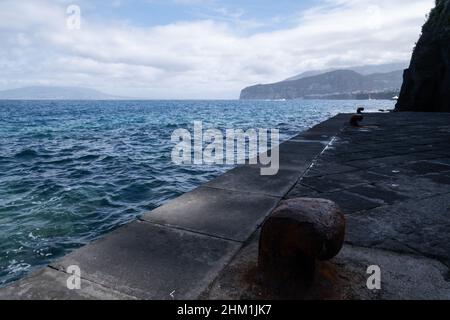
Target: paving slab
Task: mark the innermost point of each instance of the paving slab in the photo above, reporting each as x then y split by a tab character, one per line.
323	168
424	167
403	276
393	171
221	213
324	140
314	136
50	284
441	178
419	187
349	202
302	150
419	226
377	193
301	191
442	160
152	262
391	160
299	155
341	181
248	179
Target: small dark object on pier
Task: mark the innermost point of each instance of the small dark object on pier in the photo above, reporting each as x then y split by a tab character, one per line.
356	119
297	234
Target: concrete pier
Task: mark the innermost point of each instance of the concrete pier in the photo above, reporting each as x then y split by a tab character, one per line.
391	177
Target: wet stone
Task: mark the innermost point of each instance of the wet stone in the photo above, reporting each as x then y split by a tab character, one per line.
335	182
301	191
418	187
350	202
424	167
414	226
442	160
249	179
50	284
440	178
377	193
325	168
147	261
221	213
391	160
393	171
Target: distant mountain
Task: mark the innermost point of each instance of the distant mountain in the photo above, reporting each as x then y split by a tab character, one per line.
339	84
364	70
55	93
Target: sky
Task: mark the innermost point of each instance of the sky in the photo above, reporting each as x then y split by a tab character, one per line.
197	49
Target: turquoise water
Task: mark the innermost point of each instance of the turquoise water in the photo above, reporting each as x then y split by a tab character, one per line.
72	171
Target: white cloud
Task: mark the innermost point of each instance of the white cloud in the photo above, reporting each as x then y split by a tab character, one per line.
198	59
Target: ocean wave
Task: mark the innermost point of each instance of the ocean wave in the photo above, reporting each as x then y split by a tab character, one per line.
26	154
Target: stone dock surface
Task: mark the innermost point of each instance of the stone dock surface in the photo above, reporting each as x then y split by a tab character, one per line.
390	177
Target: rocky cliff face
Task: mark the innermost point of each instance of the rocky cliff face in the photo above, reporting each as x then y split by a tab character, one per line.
426	84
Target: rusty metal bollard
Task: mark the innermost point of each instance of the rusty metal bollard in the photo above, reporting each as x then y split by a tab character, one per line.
356	119
297	234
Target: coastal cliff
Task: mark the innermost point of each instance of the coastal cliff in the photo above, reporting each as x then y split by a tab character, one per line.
426	85
339	84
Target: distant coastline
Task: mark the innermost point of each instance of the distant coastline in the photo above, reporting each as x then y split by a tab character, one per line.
359	83
56	93
361	96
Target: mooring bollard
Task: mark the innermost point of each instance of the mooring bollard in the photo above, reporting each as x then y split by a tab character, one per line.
357	118
297	234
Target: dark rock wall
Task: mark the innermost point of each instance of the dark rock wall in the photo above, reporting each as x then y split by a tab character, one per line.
426	85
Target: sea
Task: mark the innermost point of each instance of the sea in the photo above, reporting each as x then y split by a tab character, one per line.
71	171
